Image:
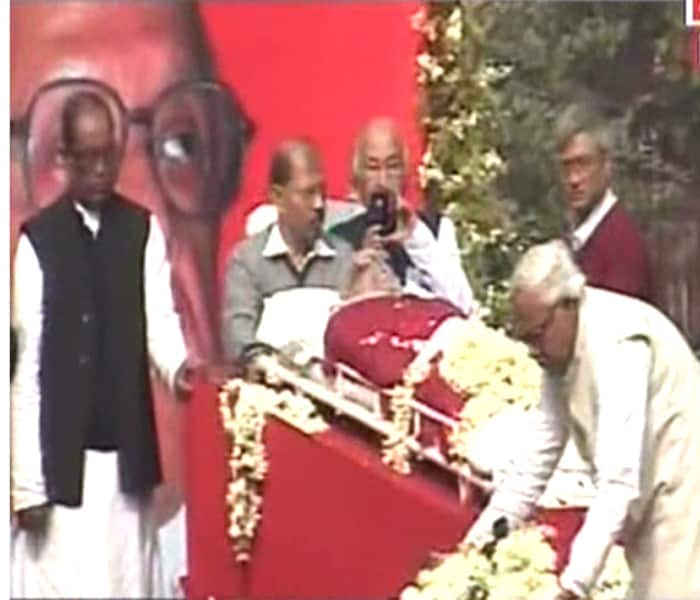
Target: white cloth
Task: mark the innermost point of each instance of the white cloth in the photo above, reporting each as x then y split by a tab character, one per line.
571	484
166	348
297	315
106	548
172	543
436	267
629	400
587	227
463	296
618	456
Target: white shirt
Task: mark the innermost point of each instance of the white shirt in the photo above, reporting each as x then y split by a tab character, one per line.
276	246
617	461
587	227
166	348
447	240
436	266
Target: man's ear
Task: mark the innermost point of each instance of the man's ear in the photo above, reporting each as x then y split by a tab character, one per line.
607	167
276	194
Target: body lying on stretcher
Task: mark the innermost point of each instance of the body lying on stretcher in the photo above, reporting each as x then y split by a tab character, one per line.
473	389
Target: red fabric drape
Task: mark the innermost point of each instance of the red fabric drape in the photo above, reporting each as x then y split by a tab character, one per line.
318	69
337	523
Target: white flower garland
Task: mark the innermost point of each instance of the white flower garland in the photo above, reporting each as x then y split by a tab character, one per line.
486	367
395	448
244	407
522	566
492	371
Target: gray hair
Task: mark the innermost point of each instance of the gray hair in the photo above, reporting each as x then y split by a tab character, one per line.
359	151
581	118
549	270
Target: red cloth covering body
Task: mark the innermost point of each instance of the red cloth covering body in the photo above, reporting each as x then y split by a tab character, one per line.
615	257
380	336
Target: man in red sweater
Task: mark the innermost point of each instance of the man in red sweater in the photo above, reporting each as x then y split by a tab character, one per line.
606	242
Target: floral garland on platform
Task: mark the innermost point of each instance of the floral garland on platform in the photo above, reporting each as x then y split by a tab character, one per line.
243	408
521	566
395	448
492	371
484	365
244	421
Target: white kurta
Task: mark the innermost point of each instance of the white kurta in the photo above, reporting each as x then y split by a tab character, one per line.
107	547
437	266
631	401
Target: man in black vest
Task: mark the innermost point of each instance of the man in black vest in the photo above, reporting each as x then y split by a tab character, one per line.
94	312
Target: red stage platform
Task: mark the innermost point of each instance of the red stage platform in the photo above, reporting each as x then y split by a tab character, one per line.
336	522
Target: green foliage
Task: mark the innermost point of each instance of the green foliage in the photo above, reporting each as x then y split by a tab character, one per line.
495	75
627	59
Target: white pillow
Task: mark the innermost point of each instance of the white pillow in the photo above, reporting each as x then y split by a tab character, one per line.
297	315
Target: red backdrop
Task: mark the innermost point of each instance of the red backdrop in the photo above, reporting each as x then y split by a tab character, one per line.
319	69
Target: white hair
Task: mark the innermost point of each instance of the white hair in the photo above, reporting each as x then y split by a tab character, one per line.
549	270
359	151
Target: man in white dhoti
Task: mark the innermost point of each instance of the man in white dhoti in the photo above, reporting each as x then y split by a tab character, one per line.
92	305
182	161
622	381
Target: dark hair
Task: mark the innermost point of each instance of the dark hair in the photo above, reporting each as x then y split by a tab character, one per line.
74	106
281	161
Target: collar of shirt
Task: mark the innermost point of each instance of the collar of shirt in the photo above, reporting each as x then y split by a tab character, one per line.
585	230
276	246
91	218
579	343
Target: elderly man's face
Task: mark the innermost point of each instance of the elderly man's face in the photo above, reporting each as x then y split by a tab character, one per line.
382	164
548	329
153	50
91	156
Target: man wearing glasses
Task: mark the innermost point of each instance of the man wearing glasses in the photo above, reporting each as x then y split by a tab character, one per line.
179	139
606	241
423	266
622	382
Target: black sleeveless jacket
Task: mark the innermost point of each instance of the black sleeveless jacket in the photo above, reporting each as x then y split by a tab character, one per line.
93	373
